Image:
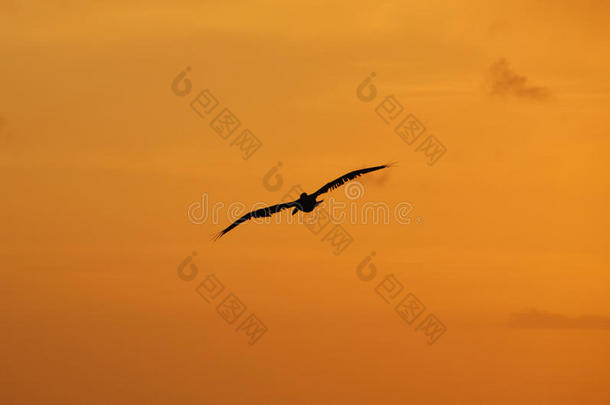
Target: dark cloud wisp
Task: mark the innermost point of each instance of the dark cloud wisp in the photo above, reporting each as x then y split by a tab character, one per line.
504	82
535	319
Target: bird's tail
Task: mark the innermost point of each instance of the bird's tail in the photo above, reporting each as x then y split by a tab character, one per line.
294	211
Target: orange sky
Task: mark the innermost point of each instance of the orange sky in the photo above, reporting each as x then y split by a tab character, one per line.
101	159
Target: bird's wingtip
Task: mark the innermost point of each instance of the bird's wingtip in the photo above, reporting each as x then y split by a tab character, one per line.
215	236
392	163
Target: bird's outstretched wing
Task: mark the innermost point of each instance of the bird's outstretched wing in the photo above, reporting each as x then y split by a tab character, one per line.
347	177
263	212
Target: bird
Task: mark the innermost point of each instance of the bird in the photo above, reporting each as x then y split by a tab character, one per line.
305	203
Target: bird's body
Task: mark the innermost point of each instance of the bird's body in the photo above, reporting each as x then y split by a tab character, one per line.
305	203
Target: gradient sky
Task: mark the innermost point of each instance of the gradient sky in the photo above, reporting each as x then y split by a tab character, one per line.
101	160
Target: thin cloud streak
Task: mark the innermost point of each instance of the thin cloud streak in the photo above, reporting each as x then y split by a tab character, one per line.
535	319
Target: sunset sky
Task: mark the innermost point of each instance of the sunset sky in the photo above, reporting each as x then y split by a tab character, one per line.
103	154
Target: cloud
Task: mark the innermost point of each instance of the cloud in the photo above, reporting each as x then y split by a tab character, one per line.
504	82
535	319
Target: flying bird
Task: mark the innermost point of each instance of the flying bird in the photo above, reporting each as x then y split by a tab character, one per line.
305	203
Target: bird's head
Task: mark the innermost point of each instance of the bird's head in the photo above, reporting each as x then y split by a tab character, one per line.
303	195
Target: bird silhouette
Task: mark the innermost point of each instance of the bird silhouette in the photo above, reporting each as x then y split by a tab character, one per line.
305	203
